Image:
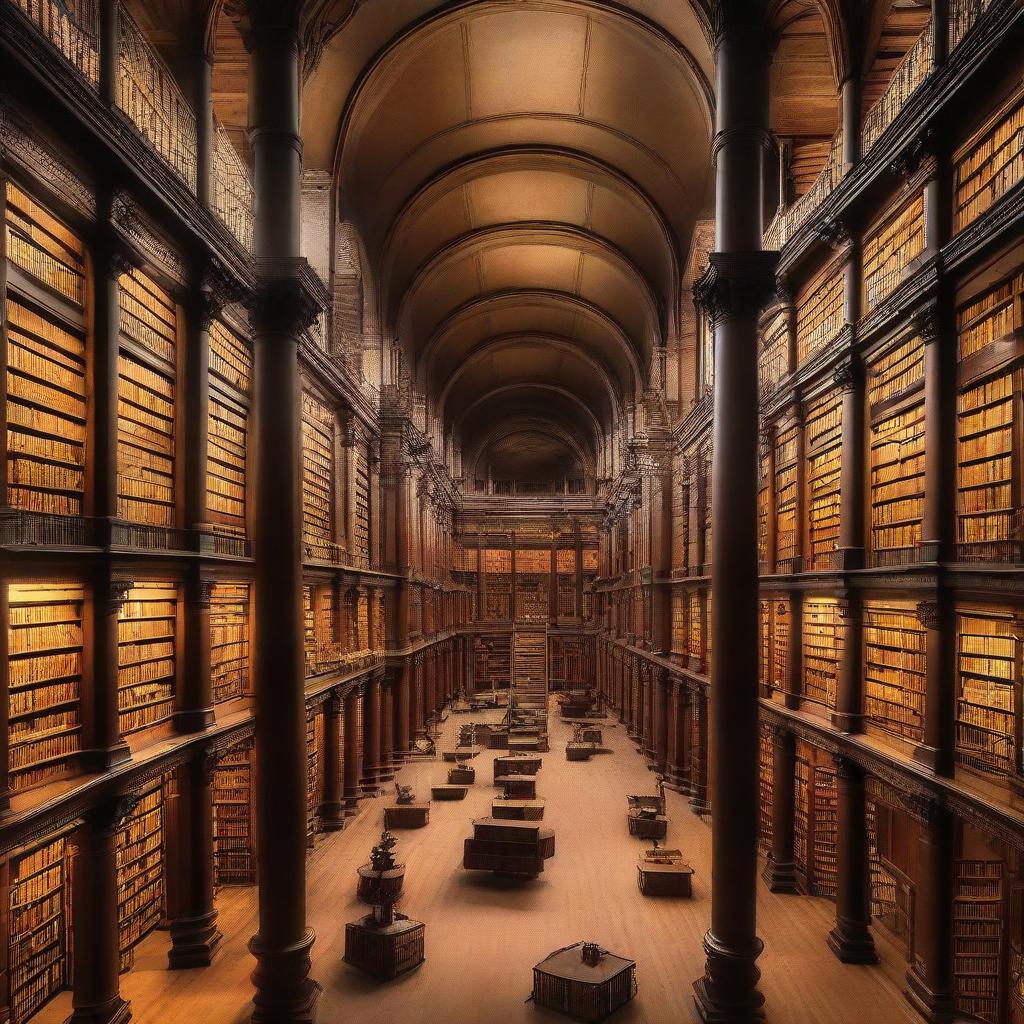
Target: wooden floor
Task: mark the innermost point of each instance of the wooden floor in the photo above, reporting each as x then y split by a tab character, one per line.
484	936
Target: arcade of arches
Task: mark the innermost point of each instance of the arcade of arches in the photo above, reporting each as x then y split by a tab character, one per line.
374	368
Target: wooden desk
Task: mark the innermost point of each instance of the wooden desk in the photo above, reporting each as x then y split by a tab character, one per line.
518	787
518	810
564	981
385	951
508	847
463	775
665	875
516	765
462	754
448	792
406	815
655	827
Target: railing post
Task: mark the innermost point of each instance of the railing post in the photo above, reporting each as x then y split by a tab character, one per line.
110	50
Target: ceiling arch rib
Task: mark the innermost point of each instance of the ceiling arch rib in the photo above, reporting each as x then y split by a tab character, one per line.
520	311
531	184
532	257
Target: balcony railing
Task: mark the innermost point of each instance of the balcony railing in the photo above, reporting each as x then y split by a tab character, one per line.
963	16
233	195
148	95
791	218
72	26
910	73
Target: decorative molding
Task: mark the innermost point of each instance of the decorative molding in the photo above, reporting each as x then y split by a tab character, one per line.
289	296
736	284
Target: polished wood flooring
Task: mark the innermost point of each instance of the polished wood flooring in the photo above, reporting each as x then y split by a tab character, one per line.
484	936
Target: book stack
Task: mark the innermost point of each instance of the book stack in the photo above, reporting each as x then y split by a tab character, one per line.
146	396
787	475
318	472
826	823
146	656
228	428
234	851
894	669
819	313
890	249
978	908
822	643
140	873
765	777
992	316
229	641
47	402
823	445
44	682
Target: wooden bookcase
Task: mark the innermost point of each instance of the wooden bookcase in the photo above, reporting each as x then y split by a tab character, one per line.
802	814
147	656
823	440
819	313
826	822
764	501
890	249
892	890
147	393
787	496
361	540
45	647
47	400
228	429
896	449
765	777
314	746
990	163
773	359
894	669
493	661
229	641
822	644
978	937
319	428
234	835
697	631
775	631
38	927
988	686
141	890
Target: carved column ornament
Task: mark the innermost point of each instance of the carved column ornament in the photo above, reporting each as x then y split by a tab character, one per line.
736	284
927	324
833	233
117	593
928	614
290	296
845	376
200	591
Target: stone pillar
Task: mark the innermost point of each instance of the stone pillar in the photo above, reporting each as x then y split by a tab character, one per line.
402	742
332	805
662	710
353	767
387	735
678	772
739	281
195	936
371	735
930	983
418	699
938	616
850	939
780	869
95	996
848	715
289	298
196	712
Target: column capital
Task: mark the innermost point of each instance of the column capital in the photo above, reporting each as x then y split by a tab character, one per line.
215	289
290	295
736	284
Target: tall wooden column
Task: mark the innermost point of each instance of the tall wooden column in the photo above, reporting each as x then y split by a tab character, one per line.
848	715
289	298
196	712
850	939
95	996
402	741
371	735
930	976
106	745
663	706
353	767
849	378
332	805
739	281
677	772
195	937
387	730
780	869
938	617
699	802
418	695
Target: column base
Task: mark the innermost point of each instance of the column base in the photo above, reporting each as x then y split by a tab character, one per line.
285	994
935	1008
332	815
699	802
194	941
386	772
116	1011
780	876
677	782
352	798
728	993
196	720
852	943
105	758
848	723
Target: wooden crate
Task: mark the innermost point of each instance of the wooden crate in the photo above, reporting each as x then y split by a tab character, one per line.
385	952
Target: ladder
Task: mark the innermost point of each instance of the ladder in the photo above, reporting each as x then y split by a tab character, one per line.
530	668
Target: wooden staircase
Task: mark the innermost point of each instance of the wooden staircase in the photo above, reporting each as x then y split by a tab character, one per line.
530	669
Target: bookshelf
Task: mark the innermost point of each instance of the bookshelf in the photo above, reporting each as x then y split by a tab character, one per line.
765	775
361	541
826	824
823	440
978	908
45	646
314	744
894	669
363	621
764	500
146	656
890	249
228	428
47	402
146	397
680	619
786	487
234	838
493	660
140	873
989	519
764	662
819	313
990	164
38	928
318	472
822	644
1017	954
697	628
773	359
704	522
308	630
801	812
781	630
229	641
988	680
990	317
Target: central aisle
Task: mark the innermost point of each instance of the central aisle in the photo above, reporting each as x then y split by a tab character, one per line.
484	935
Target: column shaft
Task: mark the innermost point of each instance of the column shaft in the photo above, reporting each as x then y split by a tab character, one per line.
332	805
780	870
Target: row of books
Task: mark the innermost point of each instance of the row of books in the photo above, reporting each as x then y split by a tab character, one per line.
231	361
318	469
992	316
978	908
229	641
819	314
148	317
896	371
140	872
